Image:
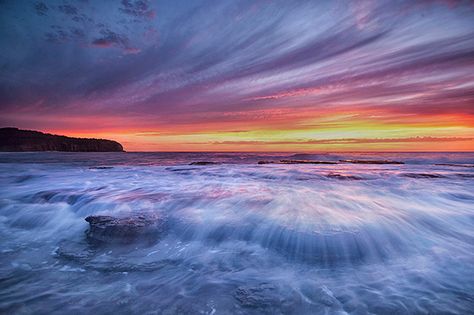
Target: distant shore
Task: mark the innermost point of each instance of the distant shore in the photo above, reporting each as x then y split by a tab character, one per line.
17	140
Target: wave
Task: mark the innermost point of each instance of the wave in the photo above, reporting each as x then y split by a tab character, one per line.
240	237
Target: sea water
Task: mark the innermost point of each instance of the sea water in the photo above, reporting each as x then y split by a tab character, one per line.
242	237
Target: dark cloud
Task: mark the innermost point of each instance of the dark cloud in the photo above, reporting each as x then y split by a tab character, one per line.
58	34
109	38
81	18
41	8
137	8
68	9
213	60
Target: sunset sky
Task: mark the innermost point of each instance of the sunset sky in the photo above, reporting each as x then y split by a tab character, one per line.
242	75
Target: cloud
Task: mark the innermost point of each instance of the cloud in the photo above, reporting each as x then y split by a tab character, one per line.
344	141
235	63
68	9
137	8
109	38
41	8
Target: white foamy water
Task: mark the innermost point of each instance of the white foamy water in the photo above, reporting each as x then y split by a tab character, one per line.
240	237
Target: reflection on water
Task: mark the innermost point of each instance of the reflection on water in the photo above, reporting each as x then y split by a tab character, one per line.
240	237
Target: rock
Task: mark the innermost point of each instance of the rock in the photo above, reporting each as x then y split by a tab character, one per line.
261	296
75	252
321	295
343	177
455	165
371	162
422	175
16	140
125	230
296	162
305	162
465	175
203	163
325	296
100	167
266	162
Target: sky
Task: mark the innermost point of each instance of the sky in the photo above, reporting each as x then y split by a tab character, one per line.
259	75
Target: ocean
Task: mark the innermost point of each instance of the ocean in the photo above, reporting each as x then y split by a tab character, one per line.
239	237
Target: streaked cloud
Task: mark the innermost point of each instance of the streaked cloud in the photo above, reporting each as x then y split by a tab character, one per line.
349	141
388	69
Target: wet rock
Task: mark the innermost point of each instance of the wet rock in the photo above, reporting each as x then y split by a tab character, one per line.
343	177
305	162
423	175
325	296
321	296
266	162
261	296
125	230
100	167
203	163
173	169
124	266
92	256
371	162
24	178
296	162
75	252
51	196
465	175
455	165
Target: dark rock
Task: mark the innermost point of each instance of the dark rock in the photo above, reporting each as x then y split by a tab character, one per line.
455	165
266	162
23	178
100	167
305	162
422	175
203	163
371	162
296	162
465	175
343	177
75	252
321	295
262	296
85	256
123	266
65	195
172	169
16	140
125	230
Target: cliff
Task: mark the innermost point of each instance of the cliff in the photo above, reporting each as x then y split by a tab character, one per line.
17	140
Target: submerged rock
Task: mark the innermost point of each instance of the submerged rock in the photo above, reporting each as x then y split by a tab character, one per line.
343	177
371	162
262	296
455	165
203	163
305	162
266	162
319	295
296	162
110	229
87	256
423	175
465	175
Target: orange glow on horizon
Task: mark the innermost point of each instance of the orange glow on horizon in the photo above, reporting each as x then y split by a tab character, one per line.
365	130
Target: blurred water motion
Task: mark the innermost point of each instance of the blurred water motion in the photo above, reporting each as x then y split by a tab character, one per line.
241	237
